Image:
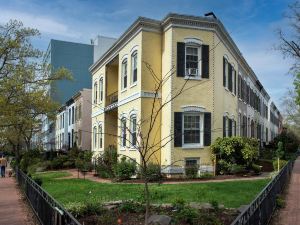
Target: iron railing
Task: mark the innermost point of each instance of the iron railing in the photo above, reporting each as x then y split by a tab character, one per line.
47	210
260	211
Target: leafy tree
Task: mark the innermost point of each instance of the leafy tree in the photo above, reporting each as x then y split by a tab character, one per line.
24	82
289	43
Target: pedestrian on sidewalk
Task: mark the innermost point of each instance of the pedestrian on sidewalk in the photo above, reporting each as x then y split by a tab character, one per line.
3	165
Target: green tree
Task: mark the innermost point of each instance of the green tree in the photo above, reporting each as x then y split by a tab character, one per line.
25	77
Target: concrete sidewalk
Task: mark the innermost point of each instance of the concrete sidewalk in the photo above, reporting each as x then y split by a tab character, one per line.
290	215
13	210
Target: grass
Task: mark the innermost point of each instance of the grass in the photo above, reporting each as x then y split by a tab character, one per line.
231	194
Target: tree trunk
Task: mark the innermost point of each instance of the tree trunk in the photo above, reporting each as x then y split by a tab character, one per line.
147	199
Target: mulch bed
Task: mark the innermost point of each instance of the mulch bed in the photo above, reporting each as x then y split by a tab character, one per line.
133	218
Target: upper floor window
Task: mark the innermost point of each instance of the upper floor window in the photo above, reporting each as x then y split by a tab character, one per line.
133	130
124	74
79	111
101	89
95	93
134	67
123	132
70	114
192	57
73	115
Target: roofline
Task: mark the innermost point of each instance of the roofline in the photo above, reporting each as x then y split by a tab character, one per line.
172	19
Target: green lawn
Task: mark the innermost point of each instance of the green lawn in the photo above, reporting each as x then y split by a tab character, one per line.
231	194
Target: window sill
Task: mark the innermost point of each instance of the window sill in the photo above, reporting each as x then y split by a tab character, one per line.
133	84
192	146
132	148
123	148
192	78
122	91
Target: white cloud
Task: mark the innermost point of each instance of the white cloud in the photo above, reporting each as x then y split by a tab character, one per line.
42	23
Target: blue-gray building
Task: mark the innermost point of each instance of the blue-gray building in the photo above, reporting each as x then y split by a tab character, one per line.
77	58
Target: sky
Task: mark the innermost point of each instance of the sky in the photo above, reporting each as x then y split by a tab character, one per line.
251	23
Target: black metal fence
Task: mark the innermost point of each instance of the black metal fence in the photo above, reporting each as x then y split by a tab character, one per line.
47	210
259	212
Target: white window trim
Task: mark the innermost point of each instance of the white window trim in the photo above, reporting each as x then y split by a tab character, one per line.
194	145
95	92
226	73
100	135
193	43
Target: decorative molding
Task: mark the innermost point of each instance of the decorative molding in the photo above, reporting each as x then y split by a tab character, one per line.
134	48
193	40
193	108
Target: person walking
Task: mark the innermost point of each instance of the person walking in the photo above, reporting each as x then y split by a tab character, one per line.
3	164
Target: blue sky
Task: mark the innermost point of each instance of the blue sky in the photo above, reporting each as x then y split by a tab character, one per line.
251	23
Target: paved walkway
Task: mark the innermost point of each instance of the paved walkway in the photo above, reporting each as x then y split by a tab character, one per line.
90	176
290	215
13	210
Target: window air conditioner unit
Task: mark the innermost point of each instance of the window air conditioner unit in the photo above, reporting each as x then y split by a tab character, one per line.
192	72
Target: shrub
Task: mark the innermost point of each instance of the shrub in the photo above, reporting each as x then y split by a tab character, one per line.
256	168
78	209
206	175
179	204
131	207
124	169
280	203
282	163
215	205
106	162
191	171
187	215
235	150
237	169
153	172
94	208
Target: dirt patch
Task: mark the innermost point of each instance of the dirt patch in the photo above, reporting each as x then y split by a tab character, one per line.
114	217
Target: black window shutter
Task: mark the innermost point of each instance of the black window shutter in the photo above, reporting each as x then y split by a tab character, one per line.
229	77
177	129
235	129
224	72
205	61
180	59
207	129
229	127
234	82
224	126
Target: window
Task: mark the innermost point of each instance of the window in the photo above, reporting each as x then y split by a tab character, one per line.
225	72
73	115
100	136
134	67
124	74
123	132
70	116
101	89
191	128
192	65
95	136
79	111
95	93
63	123
133	130
191	162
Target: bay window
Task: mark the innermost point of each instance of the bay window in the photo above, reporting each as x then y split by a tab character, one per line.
123	132
133	130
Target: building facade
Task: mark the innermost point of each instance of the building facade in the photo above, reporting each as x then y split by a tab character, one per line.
188	74
77	58
73	122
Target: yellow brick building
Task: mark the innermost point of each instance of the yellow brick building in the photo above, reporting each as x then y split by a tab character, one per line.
193	54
